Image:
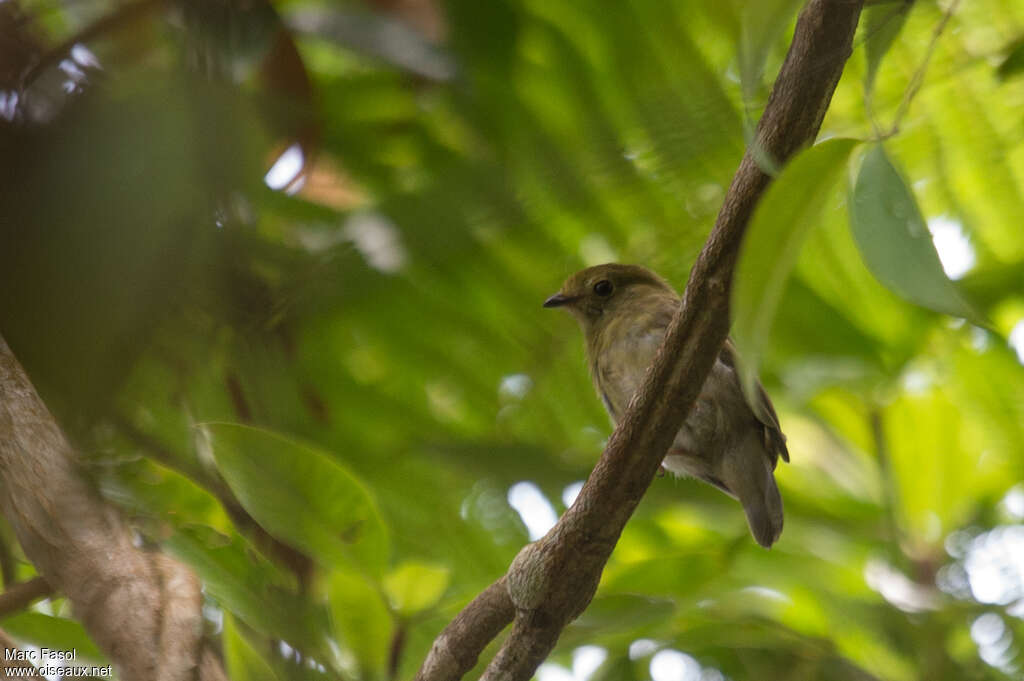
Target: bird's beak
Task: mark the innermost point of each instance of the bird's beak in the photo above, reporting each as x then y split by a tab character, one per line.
558	300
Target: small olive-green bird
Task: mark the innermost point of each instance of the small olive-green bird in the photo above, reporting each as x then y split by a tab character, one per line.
624	311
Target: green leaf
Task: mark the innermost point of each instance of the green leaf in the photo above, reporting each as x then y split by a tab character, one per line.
782	220
625	610
151	489
1013	64
808	319
243	662
995	283
882	24
975	464
250	587
762	23
56	633
361	620
413	587
302	496
894	240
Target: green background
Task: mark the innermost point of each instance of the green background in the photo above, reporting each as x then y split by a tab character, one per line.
367	368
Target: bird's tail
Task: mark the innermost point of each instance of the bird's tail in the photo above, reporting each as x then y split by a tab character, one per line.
748	472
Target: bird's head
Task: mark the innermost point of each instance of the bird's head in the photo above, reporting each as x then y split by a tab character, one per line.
606	290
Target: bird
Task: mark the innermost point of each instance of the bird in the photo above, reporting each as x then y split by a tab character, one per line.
624	312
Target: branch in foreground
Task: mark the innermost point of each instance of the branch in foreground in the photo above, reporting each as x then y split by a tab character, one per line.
18	596
552	580
142	608
457	648
9	662
120	18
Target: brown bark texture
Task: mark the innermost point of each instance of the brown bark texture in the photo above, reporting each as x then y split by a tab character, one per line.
142	608
552	580
18	596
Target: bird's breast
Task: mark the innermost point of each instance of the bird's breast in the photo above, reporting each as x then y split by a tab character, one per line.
620	365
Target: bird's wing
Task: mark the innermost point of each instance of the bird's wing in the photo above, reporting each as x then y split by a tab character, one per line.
774	439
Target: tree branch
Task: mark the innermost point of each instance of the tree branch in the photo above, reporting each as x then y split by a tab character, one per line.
142	608
457	648
122	17
552	580
9	661
17	596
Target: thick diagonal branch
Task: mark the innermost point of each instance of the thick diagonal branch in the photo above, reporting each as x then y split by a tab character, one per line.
142	608
552	580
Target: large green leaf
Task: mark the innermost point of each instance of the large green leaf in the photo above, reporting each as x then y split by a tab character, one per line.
362	624
783	218
56	633
894	240
301	495
244	583
241	659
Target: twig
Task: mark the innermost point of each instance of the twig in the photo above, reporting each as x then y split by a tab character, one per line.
918	78
7	566
234	385
109	22
457	648
396	648
9	661
889	493
19	595
552	580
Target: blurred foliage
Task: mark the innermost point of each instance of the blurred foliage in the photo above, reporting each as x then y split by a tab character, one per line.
377	327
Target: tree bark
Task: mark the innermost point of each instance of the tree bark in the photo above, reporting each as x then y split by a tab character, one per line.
458	647
14	665
142	608
17	597
552	580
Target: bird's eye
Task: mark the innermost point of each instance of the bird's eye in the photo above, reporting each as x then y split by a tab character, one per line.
603	288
